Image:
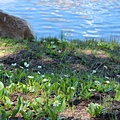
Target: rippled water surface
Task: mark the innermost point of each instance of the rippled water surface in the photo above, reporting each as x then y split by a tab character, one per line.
76	18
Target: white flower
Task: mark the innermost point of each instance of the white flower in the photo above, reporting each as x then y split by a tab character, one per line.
92	90
31	77
1	65
118	76
65	75
97	82
49	84
26	64
72	88
107	82
24	86
117	82
21	67
44	40
45	80
38	72
3	51
59	51
105	67
56	103
94	71
13	64
97	105
94	104
53	46
39	67
31	89
52	42
107	77
43	76
52	73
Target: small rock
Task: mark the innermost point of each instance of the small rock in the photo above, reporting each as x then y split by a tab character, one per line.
15	27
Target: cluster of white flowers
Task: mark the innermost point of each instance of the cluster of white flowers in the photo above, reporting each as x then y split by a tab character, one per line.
72	88
56	103
92	90
39	67
96	104
26	64
13	64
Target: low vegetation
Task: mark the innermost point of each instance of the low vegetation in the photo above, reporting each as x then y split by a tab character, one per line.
55	79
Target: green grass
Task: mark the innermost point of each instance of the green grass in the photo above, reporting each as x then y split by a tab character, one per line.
58	73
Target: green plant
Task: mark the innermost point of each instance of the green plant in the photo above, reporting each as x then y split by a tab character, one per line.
18	107
57	107
85	92
1	85
4	115
94	109
28	115
117	95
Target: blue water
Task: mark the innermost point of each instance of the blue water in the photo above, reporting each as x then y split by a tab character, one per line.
78	19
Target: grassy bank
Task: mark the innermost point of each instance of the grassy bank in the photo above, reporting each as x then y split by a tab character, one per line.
53	79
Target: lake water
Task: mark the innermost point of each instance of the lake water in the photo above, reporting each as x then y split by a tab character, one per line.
78	19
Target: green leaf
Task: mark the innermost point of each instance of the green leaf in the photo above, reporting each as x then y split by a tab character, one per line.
30	114
62	106
15	111
52	113
94	109
7	100
39	100
4	115
24	114
39	115
1	85
23	74
117	96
